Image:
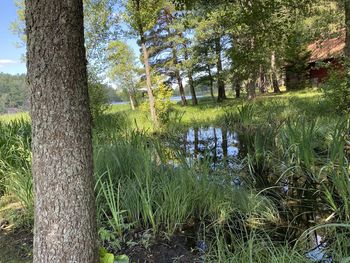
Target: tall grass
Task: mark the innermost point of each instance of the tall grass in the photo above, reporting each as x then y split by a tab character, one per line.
155	195
15	165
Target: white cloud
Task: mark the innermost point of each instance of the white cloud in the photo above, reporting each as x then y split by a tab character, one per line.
4	62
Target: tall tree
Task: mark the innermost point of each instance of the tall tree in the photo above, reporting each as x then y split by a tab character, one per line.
211	30
65	220
219	70
163	45
141	15
276	87
123	69
203	59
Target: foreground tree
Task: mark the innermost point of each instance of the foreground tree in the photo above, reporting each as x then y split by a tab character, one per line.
65	221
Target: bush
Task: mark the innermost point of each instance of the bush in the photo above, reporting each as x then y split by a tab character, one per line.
98	99
163	106
337	91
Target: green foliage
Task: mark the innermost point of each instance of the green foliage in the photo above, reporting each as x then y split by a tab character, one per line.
337	91
141	15
163	104
13	92
106	257
98	99
297	56
123	69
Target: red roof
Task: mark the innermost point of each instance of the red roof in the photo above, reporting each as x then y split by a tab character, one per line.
329	48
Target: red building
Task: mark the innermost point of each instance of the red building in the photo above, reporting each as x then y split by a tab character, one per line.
322	57
328	52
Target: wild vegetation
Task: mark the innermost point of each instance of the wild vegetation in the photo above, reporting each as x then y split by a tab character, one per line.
256	170
292	172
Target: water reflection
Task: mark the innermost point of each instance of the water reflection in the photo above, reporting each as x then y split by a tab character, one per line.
217	144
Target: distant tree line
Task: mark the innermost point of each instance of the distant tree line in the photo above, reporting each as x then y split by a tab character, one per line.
13	92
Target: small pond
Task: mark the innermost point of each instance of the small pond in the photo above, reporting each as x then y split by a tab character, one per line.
223	151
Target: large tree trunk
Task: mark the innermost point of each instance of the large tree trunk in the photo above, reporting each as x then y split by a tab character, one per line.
347	24
276	88
221	83
64	214
152	103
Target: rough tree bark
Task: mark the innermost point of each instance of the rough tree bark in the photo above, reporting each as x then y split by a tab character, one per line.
221	84
64	215
276	88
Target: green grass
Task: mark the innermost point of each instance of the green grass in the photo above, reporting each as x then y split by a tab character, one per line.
11	117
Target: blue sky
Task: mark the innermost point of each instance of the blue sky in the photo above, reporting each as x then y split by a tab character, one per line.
10	56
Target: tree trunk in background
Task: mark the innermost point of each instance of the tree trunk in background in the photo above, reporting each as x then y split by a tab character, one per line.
276	88
347	24
220	81
211	83
251	89
152	103
190	79
262	80
64	216
238	91
181	87
192	89
237	88
133	101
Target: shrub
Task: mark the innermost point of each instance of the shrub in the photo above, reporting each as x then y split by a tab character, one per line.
337	91
98	99
162	103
